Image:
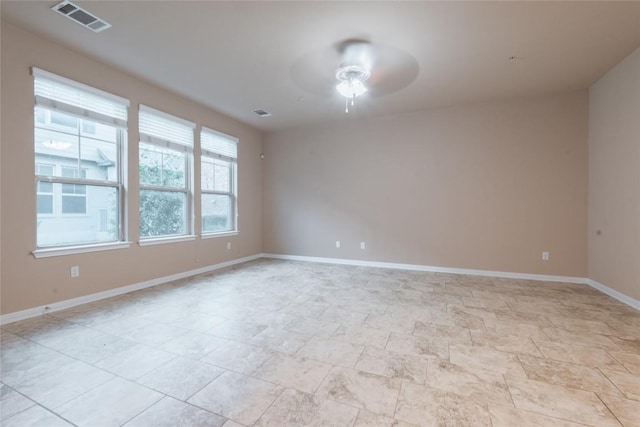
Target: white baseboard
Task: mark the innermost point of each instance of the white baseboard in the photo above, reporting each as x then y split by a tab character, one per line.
432	269
61	305
614	294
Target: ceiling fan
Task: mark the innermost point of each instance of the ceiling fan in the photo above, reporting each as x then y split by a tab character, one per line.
353	67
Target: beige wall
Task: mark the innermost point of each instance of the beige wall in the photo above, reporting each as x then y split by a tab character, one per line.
29	282
614	178
486	186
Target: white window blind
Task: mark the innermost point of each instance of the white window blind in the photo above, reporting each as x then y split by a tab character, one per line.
217	144
58	93
159	128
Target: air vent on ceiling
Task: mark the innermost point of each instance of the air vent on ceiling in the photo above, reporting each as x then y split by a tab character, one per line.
81	16
262	113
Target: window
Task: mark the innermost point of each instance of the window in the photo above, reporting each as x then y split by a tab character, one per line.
79	137
74	196
45	190
165	162
218	181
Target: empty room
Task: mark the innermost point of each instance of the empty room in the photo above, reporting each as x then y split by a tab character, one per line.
348	214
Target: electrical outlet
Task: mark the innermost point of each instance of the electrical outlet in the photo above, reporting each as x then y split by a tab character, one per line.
75	271
362	245
337	243
228	246
545	256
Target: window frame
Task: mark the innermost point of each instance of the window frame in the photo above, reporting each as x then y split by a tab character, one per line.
233	183
83	114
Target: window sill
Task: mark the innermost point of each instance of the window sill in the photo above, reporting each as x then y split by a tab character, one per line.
73	250
163	240
221	234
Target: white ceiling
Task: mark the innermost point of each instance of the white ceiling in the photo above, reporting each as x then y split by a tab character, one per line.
238	56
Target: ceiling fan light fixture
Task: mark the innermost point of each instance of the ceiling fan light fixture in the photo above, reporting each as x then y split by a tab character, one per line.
351	83
351	80
351	88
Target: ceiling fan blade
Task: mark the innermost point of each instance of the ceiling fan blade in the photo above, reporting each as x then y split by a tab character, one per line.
315	72
393	69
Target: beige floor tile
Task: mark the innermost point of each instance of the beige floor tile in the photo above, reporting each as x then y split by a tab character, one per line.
231	423
536	307
476	384
369	419
479	302
53	388
581	338
589	356
273	318
180	377
7	339
361	336
581	325
38	328
630	361
27	360
294	409
627	344
310	310
560	402
154	334
193	344
238	330
531	330
479	357
629	384
198	322
170	412
567	374
506	317
505	416
504	342
135	361
332	351
279	340
383	322
12	402
415	310
425	406
627	411
86	344
312	326
347	317
111	404
35	416
458	315
294	372
361	390
238	357
451	334
393	365
237	397
426	347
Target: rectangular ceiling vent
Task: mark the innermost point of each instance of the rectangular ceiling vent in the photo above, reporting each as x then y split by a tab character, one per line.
81	16
262	113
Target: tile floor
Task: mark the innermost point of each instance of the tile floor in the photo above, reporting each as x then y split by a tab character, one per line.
276	343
